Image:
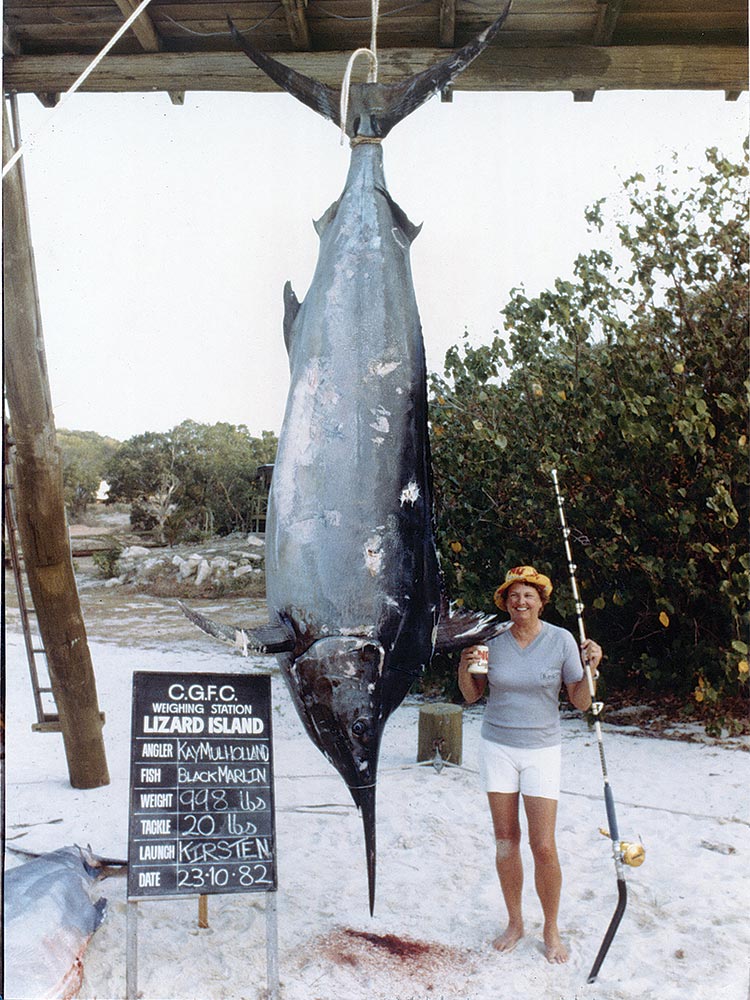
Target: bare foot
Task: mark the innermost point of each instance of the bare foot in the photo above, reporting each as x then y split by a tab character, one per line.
509	939
554	948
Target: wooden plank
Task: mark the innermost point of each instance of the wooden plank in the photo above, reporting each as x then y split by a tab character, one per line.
296	20
142	27
11	44
448	23
606	22
656	67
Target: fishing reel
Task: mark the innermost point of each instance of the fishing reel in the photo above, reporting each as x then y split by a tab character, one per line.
631	853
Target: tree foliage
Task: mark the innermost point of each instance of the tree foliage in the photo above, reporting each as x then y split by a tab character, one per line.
197	479
631	380
85	455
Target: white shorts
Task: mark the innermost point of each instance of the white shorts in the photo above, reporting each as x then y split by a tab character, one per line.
534	772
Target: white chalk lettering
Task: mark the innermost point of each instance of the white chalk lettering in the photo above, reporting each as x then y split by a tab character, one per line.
223	776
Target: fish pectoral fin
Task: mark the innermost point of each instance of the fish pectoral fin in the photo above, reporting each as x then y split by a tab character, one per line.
466	628
270	638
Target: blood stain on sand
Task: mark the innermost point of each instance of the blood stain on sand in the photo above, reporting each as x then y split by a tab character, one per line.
423	964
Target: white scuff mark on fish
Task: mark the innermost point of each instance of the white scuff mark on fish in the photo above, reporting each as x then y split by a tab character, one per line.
383	368
381	424
374	555
410	494
398	237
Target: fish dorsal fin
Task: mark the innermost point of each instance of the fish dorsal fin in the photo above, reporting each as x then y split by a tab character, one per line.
404	223
466	628
391	104
291	308
326	218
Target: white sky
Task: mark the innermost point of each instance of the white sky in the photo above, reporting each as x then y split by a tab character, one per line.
163	235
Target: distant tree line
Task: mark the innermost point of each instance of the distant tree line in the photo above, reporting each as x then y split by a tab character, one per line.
192	481
632	382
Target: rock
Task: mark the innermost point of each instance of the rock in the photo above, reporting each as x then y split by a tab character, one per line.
204	572
187	568
134	552
220	564
254	540
243	571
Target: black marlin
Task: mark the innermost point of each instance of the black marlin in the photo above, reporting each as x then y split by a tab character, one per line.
353	583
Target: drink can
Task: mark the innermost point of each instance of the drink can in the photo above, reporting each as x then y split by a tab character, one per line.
482	661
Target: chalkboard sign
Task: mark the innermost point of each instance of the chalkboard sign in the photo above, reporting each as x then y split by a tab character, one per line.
201	785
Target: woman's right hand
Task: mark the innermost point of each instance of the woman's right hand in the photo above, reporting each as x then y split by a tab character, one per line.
469	655
471	685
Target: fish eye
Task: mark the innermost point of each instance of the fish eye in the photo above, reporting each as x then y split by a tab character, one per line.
359	728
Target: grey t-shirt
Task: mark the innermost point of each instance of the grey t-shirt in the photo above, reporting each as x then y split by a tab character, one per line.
524	687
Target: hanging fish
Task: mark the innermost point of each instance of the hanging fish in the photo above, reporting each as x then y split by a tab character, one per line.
353	583
49	916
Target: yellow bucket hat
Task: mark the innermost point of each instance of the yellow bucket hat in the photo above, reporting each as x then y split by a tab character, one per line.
523	574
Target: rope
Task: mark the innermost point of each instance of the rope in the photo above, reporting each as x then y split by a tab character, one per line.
81	79
372	75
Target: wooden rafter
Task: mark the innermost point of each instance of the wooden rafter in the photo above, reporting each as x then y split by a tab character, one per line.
296	22
143	27
606	21
148	37
448	23
576	68
607	17
11	45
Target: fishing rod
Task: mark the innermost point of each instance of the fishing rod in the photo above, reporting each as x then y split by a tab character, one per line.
623	853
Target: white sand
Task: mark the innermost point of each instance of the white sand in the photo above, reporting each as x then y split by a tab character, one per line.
684	936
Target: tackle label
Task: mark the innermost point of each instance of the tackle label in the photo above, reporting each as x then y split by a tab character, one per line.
201	785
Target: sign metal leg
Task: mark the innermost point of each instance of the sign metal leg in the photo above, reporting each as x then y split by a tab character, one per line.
131	952
272	947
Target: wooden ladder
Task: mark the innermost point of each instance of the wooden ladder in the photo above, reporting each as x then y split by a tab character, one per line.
47	718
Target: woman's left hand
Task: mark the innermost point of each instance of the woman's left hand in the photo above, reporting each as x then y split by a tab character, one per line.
592	653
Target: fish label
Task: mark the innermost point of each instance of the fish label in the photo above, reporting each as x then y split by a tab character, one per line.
201	785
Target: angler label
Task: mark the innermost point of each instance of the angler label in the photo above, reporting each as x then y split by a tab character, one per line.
201	785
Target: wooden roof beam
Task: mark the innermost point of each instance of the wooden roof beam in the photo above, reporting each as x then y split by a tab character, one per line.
11	45
607	17
577	68
148	37
448	24
143	27
296	22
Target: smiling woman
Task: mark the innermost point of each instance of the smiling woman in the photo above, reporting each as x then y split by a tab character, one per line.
520	749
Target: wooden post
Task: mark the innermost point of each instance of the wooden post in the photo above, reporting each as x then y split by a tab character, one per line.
440	726
40	505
